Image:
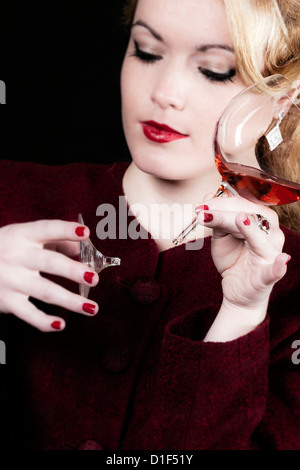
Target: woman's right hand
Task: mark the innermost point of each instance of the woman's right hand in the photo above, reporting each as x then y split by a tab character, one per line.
45	246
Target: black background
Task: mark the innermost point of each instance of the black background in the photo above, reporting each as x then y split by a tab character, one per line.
61	62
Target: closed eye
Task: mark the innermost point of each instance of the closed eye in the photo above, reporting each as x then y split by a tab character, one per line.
144	56
218	77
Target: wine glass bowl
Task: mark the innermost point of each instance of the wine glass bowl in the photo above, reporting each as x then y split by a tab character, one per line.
257	145
257	142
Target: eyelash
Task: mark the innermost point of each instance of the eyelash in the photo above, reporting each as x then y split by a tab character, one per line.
149	58
218	77
145	56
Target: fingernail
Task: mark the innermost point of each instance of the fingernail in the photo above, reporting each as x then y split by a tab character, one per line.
289	259
88	277
56	325
89	308
246	221
208	217
201	208
80	231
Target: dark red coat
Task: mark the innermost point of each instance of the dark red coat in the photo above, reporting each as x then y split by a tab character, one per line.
138	375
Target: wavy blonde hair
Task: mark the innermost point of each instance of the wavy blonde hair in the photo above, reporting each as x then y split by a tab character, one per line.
268	32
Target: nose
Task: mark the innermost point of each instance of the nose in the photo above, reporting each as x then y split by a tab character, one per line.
170	88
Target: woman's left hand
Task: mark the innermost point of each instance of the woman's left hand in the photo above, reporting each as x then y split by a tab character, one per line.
249	259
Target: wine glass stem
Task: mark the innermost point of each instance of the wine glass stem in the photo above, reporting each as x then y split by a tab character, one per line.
188	229
224	187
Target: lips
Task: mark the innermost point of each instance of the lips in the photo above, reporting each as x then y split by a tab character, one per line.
160	133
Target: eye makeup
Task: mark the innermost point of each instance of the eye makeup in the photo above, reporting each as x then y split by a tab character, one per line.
216	76
143	55
208	72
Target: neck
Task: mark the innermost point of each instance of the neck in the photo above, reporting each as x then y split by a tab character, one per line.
168	206
141	187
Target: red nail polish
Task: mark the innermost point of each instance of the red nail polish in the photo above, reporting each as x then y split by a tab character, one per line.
80	231
89	308
246	221
88	277
203	207
56	325
208	217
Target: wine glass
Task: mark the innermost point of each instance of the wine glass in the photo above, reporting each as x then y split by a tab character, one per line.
255	136
94	259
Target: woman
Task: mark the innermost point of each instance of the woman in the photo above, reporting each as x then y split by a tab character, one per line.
191	349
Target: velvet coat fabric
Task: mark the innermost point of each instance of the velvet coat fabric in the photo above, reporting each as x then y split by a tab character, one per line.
138	375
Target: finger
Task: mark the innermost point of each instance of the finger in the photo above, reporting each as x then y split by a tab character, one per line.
51	293
273	272
222	222
260	241
68	248
60	265
22	308
243	226
47	231
278	270
238	204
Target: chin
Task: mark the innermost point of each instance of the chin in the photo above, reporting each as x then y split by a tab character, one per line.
167	170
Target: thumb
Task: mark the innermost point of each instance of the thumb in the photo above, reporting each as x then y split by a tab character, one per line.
278	269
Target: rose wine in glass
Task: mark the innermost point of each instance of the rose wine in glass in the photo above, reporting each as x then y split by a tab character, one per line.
257	145
257	186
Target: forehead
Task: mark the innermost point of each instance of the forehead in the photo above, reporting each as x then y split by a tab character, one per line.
188	21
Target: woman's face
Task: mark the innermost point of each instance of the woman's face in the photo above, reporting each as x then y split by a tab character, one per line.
178	73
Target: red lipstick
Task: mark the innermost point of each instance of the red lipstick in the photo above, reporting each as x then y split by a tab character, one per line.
160	132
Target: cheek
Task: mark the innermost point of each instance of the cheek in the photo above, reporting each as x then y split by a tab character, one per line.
130	96
205	117
130	101
124	86
126	101
210	106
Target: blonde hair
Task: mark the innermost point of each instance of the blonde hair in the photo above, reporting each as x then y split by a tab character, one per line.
269	31
266	35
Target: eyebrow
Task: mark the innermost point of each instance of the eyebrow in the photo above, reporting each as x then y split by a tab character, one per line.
152	31
206	47
202	48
